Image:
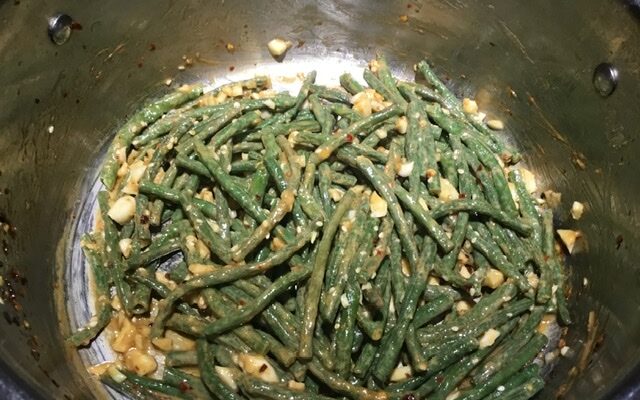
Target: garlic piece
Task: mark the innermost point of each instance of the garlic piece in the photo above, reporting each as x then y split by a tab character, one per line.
123	209
163	343
377	205
295	385
226	376
533	279
257	366
401	125
362	104
116	375
401	373
529	180
336	194
447	191
464	272
278	47
140	362
569	238
577	209
462	307
469	106
125	247
489	338
201	269
495	124
405	168
493	279
552	198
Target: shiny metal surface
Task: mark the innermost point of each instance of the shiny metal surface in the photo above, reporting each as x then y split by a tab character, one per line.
530	64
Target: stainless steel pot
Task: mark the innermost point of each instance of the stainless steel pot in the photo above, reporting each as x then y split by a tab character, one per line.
529	63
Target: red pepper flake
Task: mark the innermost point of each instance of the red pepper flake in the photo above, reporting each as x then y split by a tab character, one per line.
152	46
409	396
349	138
263	368
75	26
184	386
462	196
439	378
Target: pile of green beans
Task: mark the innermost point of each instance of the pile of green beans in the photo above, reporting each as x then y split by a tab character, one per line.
327	245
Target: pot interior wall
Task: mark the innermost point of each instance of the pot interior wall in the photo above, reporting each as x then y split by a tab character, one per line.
530	64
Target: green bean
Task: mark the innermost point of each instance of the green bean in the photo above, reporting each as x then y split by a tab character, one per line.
325	150
521	358
527	373
431	310
238	194
309	79
330	299
332	95
481	207
345	333
181	358
259	303
229	274
511	345
384	187
495	256
390	349
342	386
206	362
173	120
223	218
314	285
143	387
527	205
284	206
325	176
350	84
212	126
421	213
322	114
258	388
499	180
454	374
85	335
136	123
389	93
223	307
187	383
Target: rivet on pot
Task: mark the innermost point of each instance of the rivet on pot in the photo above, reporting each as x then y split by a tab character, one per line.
605	79
59	28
